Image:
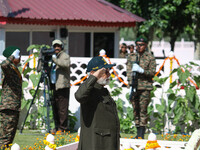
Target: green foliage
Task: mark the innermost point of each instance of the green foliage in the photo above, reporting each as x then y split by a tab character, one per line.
180	106
125	114
37	114
72	120
164	19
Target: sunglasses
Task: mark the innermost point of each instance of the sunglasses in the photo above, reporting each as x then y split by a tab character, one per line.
140	44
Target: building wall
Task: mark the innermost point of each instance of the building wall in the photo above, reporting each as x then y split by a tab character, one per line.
84	44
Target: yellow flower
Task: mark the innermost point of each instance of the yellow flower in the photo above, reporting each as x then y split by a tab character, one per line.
77	138
52	146
112	75
152	144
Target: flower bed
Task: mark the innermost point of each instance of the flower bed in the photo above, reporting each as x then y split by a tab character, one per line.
68	141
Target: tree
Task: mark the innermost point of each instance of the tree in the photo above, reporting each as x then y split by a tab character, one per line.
173	13
116	2
194	29
164	18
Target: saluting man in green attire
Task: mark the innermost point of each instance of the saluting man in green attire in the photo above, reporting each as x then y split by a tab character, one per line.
10	102
100	127
145	68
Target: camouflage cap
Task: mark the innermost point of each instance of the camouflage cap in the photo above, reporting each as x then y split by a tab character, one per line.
97	63
141	39
9	50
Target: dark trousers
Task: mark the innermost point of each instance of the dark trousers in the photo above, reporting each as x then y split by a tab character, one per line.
8	126
140	104
60	108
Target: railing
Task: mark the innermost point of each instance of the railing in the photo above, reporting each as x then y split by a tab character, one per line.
78	68
139	144
79	64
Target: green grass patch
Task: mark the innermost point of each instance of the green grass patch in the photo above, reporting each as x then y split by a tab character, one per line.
34	138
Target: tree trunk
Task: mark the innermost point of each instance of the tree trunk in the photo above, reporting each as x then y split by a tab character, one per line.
172	43
197	51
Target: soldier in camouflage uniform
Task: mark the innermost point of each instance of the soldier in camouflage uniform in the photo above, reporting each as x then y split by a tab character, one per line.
10	102
123	52
145	69
131	49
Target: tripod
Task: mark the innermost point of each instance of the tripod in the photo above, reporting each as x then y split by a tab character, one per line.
47	97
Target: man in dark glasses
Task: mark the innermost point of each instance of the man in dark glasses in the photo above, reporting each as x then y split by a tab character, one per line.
141	68
61	80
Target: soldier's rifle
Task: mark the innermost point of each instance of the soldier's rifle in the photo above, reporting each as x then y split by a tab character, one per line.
134	83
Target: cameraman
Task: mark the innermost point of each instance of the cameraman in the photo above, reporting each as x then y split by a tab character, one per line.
62	86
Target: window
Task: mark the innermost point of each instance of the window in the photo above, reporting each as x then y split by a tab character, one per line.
104	41
79	44
19	39
42	38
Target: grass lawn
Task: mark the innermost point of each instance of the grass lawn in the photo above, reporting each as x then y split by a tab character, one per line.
28	137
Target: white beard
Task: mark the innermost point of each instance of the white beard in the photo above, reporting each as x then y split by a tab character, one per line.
102	81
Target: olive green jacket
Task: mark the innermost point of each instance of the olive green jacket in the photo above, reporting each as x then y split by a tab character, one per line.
100	127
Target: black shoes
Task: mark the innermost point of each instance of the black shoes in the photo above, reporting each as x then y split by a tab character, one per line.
140	132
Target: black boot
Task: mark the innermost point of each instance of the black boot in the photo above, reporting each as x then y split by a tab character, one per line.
138	132
142	131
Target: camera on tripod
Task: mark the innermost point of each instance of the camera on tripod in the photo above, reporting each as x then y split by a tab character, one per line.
47	54
44	67
45	59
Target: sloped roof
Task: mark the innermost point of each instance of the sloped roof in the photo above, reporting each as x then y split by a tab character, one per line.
66	12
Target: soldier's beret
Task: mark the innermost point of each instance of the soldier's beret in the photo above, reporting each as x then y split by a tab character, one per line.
9	50
141	39
97	63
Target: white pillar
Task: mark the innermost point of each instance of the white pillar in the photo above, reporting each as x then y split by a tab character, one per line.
15	147
57	33
126	146
50	138
2	40
91	44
